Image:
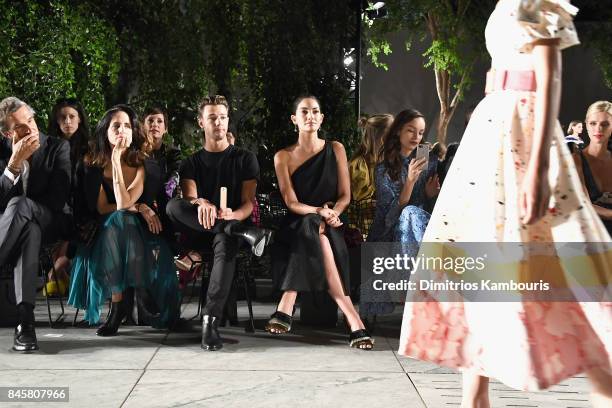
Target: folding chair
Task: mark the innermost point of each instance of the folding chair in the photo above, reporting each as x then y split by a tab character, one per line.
46	259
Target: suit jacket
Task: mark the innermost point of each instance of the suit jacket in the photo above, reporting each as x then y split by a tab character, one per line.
49	174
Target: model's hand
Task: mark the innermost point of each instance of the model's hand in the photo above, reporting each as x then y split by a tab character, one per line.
23	150
432	187
152	220
534	196
415	168
226	214
207	213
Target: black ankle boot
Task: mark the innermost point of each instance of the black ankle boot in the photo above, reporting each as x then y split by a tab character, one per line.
110	327
257	238
147	309
25	335
128	306
211	340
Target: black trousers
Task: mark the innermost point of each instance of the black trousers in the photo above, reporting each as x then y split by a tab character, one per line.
24	226
184	216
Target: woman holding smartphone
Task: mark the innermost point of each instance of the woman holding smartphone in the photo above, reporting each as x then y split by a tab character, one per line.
406	185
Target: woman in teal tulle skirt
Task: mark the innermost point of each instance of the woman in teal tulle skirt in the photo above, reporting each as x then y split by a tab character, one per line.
119	186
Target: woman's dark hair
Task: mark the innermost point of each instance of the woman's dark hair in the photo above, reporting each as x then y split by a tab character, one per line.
100	149
80	138
300	98
570	127
155	110
391	149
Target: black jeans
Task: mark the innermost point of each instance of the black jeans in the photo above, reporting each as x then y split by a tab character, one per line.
225	247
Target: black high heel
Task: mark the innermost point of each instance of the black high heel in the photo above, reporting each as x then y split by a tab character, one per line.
361	339
280	323
116	316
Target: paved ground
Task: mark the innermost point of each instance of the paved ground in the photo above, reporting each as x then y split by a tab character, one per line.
147	368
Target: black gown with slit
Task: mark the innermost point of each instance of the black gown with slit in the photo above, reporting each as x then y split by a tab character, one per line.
297	257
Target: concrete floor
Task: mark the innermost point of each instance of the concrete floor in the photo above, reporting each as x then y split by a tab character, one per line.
143	367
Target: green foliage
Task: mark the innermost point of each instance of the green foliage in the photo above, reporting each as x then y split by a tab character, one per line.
261	54
292	51
51	49
375	49
597	37
459	32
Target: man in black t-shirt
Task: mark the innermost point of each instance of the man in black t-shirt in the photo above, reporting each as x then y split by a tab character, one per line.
199	213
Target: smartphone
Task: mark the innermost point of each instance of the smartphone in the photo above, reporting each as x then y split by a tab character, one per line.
423	151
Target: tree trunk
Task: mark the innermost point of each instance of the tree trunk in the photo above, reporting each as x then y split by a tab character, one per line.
443	122
448	106
444	83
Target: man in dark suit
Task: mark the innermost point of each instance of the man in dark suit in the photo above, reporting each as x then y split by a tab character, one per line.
34	188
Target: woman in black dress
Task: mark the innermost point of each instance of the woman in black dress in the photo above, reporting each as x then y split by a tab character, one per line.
127	251
314	182
68	121
594	163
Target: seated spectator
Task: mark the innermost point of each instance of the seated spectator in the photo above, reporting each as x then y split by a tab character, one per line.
312	255
126	251
405	187
209	222
594	162
34	188
573	139
67	121
168	157
361	166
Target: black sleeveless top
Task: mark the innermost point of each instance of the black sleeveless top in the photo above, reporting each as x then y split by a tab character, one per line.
589	179
94	178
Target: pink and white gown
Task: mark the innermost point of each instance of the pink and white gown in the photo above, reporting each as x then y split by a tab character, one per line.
527	345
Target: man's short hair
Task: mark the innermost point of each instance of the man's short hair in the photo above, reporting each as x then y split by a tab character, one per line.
212	100
8	106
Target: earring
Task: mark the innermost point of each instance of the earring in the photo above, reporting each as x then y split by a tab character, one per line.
295	129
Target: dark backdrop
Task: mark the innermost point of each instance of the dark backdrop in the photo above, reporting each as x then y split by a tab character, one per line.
408	85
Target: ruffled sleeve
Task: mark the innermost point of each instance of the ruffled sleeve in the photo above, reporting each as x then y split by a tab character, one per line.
547	20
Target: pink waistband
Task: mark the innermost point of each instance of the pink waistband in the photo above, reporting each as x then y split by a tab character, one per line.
500	80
